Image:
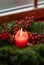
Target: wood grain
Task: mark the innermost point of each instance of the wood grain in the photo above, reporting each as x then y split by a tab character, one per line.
37	13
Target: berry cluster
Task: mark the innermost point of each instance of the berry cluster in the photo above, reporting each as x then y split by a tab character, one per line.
4	36
15	29
25	24
42	38
34	38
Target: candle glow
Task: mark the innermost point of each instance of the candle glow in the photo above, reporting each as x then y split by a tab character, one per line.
21	32
21	39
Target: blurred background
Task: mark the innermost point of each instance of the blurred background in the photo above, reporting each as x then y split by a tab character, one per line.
4	4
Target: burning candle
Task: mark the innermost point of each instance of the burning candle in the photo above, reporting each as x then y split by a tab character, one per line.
21	39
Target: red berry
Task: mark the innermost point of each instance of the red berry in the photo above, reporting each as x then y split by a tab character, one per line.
27	22
26	26
30	21
0	35
32	39
33	17
30	35
16	29
20	26
15	32
36	37
26	18
16	22
3	38
42	35
22	21
33	42
29	18
34	34
7	35
16	26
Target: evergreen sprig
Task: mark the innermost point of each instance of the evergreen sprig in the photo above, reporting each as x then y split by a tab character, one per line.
31	55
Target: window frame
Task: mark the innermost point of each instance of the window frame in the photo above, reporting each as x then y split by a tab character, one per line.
38	12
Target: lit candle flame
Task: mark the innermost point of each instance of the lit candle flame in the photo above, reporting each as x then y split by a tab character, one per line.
21	32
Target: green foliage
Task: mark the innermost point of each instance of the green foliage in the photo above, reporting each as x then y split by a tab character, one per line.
37	27
40	49
6	42
31	55
1	28
10	55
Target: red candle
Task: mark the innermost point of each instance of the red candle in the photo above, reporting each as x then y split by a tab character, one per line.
21	39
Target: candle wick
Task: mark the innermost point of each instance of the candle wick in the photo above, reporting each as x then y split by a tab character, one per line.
21	32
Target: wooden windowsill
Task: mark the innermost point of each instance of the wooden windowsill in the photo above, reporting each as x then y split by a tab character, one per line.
38	13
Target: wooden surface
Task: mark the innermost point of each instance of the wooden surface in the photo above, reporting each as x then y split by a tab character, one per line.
37	13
